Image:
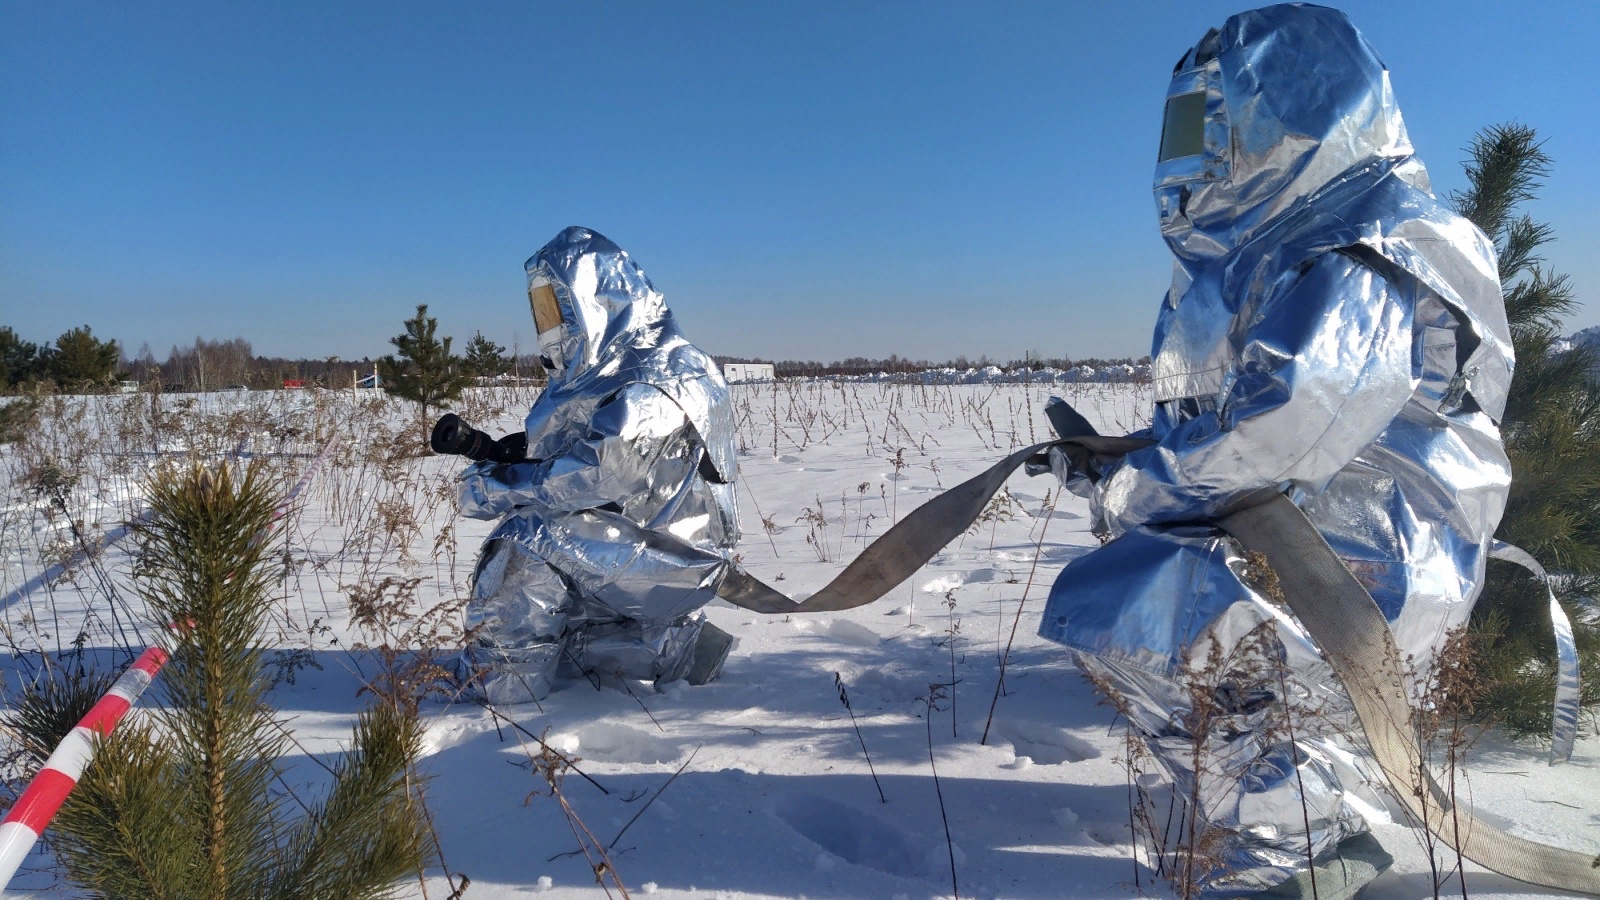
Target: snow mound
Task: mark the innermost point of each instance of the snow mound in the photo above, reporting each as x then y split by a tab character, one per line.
953	580
444	734
605	742
841	630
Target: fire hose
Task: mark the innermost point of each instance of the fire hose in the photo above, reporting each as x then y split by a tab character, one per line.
1335	608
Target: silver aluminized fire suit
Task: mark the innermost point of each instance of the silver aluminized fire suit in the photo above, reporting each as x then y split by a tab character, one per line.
1331	331
617	529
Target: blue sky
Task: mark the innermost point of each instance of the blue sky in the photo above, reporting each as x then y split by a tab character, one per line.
814	180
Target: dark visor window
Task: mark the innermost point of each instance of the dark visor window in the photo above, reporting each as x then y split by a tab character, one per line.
1183	132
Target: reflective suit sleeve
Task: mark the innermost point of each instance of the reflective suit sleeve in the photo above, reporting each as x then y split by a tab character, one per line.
1321	373
489	490
621	458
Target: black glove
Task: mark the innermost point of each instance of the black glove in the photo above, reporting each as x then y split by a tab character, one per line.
453	436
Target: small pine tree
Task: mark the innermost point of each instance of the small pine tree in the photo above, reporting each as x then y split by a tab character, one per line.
17	417
1552	435
485	358
19	359
179	802
80	361
423	370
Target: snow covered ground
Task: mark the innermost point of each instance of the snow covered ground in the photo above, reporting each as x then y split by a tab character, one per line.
773	795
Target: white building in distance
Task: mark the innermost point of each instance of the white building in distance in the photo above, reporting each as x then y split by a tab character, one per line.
733	372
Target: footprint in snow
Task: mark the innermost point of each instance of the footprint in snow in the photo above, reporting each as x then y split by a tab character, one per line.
890	684
791	459
1046	745
976	576
1064	554
855	836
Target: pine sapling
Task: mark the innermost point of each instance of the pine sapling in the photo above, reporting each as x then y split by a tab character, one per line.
422	369
179	802
1551	429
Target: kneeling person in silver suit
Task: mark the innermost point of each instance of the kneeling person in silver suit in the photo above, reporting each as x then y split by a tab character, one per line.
1332	332
617	514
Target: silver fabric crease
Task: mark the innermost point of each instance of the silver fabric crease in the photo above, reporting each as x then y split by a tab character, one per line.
617	529
1331	331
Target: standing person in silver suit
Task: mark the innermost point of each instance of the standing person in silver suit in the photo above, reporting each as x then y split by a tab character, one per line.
617	509
1333	332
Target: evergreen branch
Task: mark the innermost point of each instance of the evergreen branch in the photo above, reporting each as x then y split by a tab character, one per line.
50	708
1516	250
1507	168
118	834
364	836
1538	303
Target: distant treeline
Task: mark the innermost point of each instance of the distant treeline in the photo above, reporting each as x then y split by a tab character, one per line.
77	361
895	364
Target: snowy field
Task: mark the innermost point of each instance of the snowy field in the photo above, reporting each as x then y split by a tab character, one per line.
772	796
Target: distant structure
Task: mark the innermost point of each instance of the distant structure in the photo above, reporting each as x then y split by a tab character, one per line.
732	372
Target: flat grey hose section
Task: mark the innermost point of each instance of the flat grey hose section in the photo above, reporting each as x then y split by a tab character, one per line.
1345	622
1334	607
914	540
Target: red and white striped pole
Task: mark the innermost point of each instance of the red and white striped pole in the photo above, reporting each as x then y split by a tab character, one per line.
49	789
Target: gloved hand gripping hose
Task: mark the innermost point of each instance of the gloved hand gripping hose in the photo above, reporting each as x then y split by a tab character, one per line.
453	436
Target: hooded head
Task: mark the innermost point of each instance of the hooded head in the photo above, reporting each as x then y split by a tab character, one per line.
1262	115
590	300
604	326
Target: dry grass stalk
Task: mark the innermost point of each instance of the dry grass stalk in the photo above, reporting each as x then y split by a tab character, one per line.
844	697
552	766
935	694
